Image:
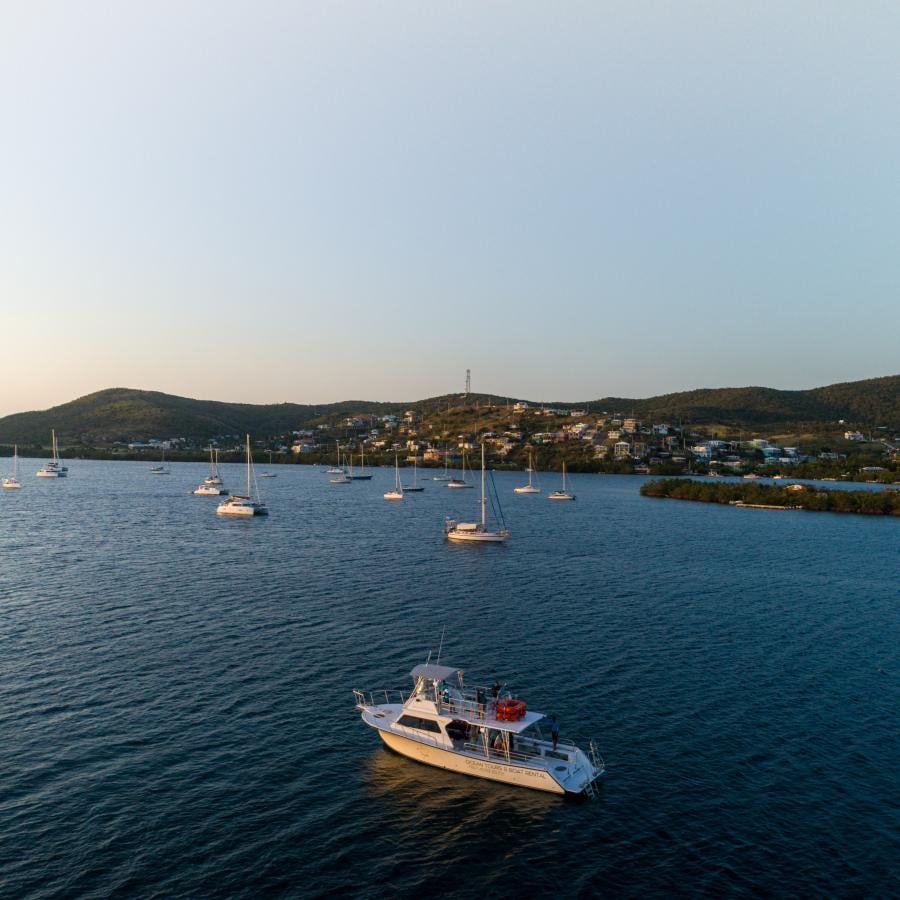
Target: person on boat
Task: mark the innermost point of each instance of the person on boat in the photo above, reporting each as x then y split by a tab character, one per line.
554	729
479	702
498	744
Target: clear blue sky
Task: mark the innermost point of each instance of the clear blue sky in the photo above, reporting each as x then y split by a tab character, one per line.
315	201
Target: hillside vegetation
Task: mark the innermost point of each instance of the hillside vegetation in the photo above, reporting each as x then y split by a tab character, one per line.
124	414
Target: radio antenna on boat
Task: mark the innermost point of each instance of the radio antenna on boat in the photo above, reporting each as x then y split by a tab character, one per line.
441	647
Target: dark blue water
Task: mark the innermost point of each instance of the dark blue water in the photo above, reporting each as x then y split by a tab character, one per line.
176	716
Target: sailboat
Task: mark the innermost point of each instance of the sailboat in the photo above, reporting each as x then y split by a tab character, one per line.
414	487
211	486
53	469
244	504
460	482
362	467
338	469
446	474
268	474
341	476
561	495
160	469
11	482
397	492
529	488
477	532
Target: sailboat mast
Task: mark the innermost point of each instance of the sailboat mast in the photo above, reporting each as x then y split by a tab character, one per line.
248	465
483	503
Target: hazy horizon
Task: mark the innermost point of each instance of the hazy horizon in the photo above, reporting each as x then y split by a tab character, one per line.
278	201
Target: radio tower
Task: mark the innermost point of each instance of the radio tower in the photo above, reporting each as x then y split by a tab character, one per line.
468	382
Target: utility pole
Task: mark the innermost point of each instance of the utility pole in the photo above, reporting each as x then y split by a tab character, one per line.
468	382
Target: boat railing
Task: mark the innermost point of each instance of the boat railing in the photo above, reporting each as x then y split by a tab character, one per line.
374	698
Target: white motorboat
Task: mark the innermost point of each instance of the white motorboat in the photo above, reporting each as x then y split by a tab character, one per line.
478	532
397	492
460	482
563	494
53	469
445	724
244	504
11	482
529	488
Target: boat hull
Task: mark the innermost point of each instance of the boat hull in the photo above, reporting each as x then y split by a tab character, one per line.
521	776
476	537
526	490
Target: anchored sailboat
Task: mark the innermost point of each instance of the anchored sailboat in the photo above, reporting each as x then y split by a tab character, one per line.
244	504
161	468
445	476
461	481
11	482
478	531
529	488
268	474
211	486
53	469
361	475
397	492
414	488
563	494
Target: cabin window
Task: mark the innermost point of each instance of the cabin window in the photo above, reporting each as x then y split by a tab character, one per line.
419	724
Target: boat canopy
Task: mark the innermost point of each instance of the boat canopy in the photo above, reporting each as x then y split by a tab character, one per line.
431	671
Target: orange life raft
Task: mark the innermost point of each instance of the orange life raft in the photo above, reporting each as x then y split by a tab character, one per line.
509	710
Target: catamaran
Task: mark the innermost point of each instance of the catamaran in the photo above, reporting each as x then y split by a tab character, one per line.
461	481
244	504
397	492
53	469
478	531
11	482
561	495
529	488
471	730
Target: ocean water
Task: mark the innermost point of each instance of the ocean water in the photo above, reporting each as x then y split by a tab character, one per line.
176	715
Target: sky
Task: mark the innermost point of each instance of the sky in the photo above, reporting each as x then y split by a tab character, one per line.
315	201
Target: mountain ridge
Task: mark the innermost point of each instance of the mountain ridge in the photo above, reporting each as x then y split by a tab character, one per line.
126	414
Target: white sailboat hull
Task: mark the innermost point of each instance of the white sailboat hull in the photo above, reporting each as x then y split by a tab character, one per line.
46	473
11	484
471	536
526	489
459	485
523	776
393	495
241	507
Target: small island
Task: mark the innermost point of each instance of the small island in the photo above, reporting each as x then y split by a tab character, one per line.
765	496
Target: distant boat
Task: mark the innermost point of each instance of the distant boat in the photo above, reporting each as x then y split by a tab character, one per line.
11	482
563	494
211	486
361	476
397	492
243	504
338	469
268	474
460	482
446	474
414	488
751	476
160	469
53	469
341	476
529	488
478	532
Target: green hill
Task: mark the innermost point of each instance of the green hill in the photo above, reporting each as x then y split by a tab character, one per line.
123	414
